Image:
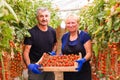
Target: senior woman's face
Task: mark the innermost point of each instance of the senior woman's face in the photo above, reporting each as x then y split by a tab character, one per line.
71	24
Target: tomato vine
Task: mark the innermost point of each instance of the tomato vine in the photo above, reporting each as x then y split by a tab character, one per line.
16	17
101	19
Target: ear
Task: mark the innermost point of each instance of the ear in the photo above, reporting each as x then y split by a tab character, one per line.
37	17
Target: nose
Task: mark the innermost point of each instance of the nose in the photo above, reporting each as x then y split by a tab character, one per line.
44	17
70	25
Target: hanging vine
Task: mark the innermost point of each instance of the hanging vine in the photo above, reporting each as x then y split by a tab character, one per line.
16	17
101	19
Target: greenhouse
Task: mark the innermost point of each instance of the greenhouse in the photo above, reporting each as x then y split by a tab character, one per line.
97	20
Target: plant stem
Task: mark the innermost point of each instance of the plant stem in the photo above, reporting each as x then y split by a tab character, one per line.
3	71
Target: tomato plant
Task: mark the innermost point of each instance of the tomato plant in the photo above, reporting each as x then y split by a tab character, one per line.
16	17
101	20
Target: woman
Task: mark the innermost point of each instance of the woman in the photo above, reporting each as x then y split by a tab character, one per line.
76	41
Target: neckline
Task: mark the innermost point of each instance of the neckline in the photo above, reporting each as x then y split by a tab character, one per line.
78	32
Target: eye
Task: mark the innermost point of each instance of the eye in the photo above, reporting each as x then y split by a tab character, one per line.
67	23
73	22
40	15
46	15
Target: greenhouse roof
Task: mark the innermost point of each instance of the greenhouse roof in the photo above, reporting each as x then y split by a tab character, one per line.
68	6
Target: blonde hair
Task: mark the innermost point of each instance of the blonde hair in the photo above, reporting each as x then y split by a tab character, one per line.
73	16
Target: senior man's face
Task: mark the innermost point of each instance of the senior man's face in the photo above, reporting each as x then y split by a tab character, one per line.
43	18
71	24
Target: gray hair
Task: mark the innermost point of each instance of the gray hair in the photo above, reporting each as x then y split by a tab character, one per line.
41	9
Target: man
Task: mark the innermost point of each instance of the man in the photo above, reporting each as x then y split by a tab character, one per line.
42	40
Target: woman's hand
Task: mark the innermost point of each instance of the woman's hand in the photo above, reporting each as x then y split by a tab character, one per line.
80	63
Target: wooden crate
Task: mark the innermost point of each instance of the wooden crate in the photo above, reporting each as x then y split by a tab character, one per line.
59	68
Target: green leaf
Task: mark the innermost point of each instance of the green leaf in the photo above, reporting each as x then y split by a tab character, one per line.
99	28
8	17
109	24
1	15
118	9
118	58
0	55
116	24
95	49
11	10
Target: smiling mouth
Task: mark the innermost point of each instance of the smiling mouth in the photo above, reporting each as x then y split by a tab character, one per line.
44	21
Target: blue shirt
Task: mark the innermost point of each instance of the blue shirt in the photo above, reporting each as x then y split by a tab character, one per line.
84	37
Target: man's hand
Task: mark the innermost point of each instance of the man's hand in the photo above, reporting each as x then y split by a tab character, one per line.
34	68
52	53
80	63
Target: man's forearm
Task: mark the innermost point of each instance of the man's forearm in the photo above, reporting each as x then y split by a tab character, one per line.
26	54
55	47
26	58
